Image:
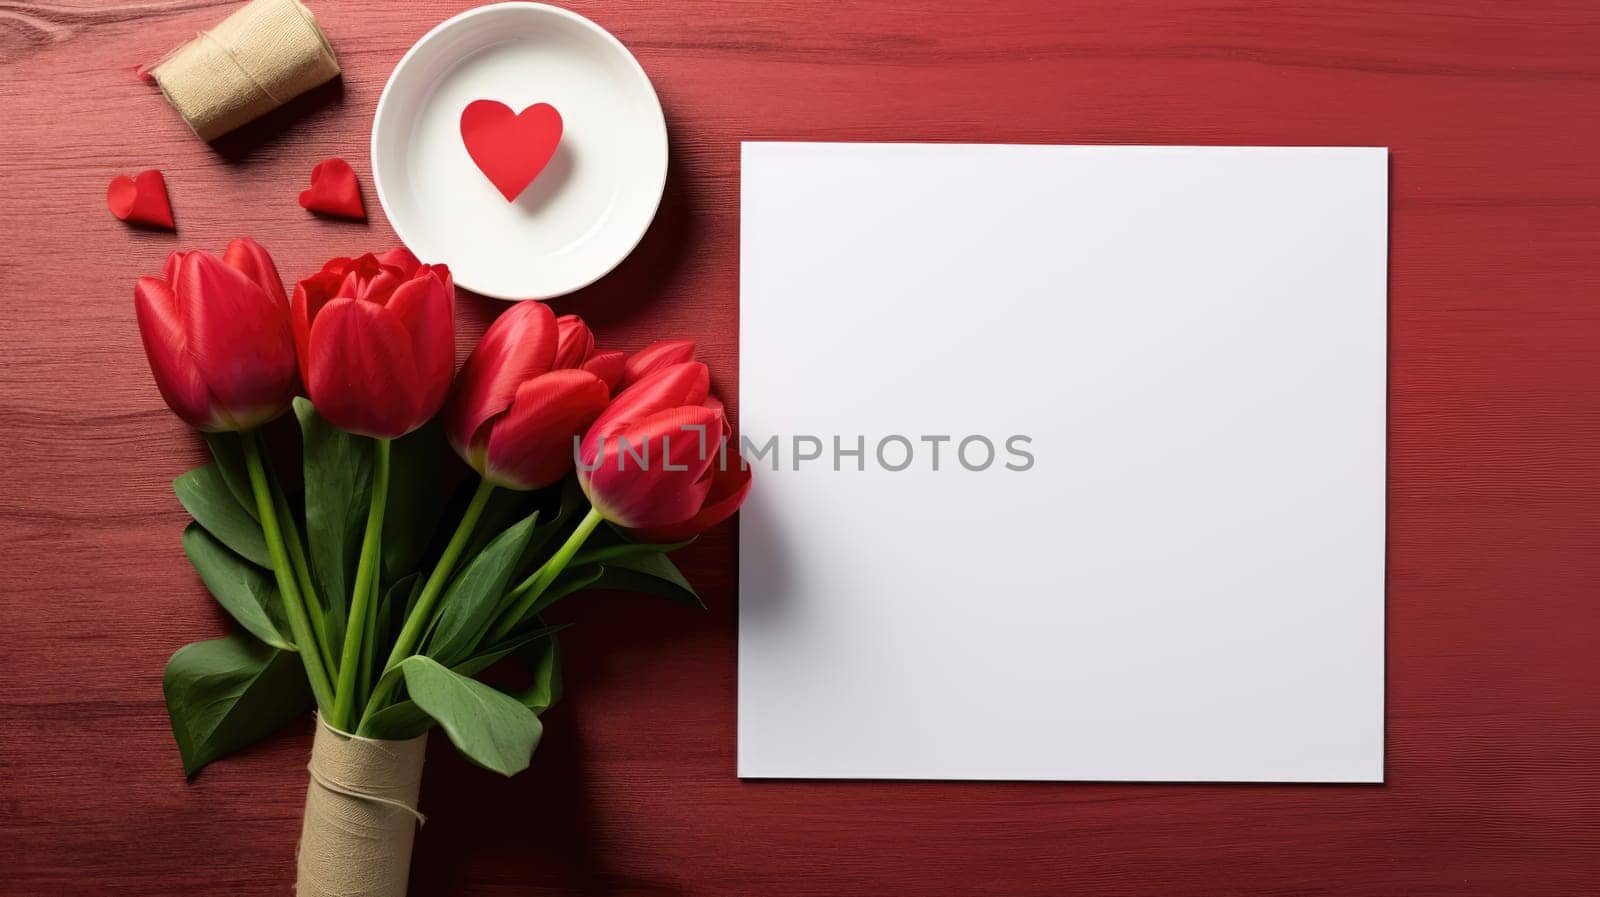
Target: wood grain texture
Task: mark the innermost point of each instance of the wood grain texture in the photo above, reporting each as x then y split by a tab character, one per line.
1492	111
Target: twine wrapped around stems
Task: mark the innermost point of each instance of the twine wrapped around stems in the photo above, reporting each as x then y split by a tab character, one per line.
361	815
263	55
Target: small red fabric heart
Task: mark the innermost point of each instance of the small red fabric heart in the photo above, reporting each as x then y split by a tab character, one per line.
334	191
141	199
511	148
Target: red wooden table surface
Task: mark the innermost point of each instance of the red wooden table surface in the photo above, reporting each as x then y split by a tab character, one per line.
1492	112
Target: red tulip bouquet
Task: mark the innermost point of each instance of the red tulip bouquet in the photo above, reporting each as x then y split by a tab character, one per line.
370	595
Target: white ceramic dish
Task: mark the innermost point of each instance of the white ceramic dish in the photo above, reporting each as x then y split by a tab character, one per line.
590	205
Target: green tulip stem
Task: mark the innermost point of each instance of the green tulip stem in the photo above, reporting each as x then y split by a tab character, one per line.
369	646
299	625
302	575
526	594
422	613
355	630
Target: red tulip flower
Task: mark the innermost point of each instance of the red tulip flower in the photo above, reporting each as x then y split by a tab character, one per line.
521	398
377	345
655	461
222	349
218	338
376	338
518	405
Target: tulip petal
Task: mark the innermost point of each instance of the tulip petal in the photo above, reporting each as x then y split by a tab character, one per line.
400	257
363	376
161	329
239	338
169	272
381	287
730	485
607	364
530	446
653	472
370	279
426	306
518	346
658	355
310	295
339	265
251	259
574	342
681	384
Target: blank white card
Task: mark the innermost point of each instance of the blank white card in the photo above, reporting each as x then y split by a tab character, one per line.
1069	462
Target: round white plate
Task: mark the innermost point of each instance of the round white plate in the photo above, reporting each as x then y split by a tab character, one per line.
589	206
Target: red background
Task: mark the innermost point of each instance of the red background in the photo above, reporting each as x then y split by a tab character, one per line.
1491	110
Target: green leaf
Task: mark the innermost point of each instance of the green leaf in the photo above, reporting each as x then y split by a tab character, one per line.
544	665
396	606
204	493
571	580
476	664
608	543
248	593
406	720
397	722
338	481
493	730
652	574
416	500
568	500
469	604
228	693
228	455
505	507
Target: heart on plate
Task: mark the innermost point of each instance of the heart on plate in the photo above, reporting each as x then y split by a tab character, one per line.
141	199
334	191
510	148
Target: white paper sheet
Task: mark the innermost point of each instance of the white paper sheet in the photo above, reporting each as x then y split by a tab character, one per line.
1186	583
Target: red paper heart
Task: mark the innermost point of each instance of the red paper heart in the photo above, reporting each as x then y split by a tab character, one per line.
141	199
334	191
510	148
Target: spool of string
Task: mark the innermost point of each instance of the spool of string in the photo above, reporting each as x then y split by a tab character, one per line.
361	815
264	55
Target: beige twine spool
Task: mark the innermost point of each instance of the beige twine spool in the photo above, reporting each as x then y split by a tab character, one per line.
264	55
361	814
